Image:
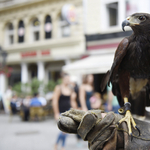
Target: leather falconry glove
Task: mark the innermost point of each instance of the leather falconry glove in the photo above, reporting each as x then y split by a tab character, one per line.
104	134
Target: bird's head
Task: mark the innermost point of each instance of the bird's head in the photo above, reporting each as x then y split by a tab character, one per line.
137	21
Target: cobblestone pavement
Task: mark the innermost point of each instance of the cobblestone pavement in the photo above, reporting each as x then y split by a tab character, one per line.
18	135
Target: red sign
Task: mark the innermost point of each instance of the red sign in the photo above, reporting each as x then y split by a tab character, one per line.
103	46
84	56
6	70
45	52
28	54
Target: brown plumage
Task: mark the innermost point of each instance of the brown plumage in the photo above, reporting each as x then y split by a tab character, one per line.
131	66
130	71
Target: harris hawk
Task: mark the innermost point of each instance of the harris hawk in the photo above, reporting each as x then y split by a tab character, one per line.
130	71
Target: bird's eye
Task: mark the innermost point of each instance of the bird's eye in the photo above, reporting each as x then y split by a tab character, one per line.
142	18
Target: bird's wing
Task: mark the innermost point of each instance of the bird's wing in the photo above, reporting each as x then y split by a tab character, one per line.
119	55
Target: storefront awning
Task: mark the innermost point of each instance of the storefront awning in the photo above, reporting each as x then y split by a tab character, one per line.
91	65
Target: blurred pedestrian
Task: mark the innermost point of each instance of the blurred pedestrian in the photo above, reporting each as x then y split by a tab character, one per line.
35	101
96	101
26	107
112	102
9	92
63	100
7	99
75	87
1	102
13	104
86	92
42	100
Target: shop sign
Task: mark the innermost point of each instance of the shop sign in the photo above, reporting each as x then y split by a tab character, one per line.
34	53
68	13
45	52
28	54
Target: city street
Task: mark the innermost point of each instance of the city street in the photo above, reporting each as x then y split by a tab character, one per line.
18	135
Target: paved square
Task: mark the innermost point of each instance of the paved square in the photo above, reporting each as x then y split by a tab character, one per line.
18	135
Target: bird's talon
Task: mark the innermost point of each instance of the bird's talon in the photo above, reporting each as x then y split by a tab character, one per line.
138	130
118	123
131	136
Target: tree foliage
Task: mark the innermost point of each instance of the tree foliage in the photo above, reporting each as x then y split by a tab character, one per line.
35	86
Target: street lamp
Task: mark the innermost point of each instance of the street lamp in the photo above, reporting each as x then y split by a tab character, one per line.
3	56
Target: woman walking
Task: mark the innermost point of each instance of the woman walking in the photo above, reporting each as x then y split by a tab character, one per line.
63	100
86	92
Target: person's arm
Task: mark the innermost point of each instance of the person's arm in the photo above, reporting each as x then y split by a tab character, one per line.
110	98
82	98
30	103
73	100
55	102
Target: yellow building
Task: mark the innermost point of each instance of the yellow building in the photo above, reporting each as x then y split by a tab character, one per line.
40	36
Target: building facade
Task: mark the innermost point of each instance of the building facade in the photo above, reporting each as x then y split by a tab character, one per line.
40	36
103	31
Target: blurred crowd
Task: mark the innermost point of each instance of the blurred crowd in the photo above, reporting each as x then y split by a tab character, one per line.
34	106
68	95
65	96
25	105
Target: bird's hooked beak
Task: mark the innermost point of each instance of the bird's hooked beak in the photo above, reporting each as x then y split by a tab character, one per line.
125	23
129	21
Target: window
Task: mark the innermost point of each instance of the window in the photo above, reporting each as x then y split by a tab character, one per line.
36	36
64	28
48	27
9	34
11	39
36	22
35	29
113	13
10	26
21	32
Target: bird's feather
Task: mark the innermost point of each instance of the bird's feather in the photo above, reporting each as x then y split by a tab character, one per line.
105	80
119	55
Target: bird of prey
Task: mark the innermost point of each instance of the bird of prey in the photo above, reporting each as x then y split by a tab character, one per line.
130	71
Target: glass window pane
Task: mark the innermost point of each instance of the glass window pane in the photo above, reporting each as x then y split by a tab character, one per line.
36	22
113	14
66	31
11	39
10	26
36	36
21	32
48	27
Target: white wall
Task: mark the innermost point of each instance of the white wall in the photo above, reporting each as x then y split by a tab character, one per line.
96	15
143	6
91	16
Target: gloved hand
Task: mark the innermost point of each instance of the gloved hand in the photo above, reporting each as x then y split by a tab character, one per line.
104	133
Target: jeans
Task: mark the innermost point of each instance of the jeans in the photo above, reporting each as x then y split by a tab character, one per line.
62	136
114	108
13	108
